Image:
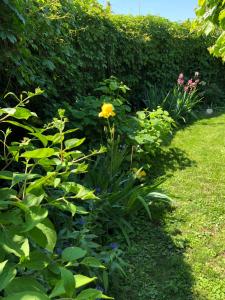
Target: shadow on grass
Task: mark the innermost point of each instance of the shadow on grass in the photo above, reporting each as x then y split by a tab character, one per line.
170	160
156	266
157	269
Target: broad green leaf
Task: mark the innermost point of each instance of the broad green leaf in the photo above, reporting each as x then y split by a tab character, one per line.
21	177
37	184
7	274
92	262
34	216
23	113
29	128
12	243
65	206
73	253
9	111
22	284
68	281
82	280
35	197
72	143
26	247
58	289
7	194
36	261
44	235
38	153
41	137
2	266
89	294
28	295
6	175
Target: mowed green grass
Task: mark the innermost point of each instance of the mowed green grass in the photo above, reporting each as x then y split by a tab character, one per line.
183	256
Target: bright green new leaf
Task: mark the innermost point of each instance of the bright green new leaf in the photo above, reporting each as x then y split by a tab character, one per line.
38	153
72	143
82	280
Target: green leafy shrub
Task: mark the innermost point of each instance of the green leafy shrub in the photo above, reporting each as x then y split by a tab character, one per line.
84	112
42	256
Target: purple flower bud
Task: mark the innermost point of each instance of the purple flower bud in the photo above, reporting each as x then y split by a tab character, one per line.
81	221
114	246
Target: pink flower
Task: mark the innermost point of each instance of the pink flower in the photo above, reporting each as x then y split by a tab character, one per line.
180	81
186	88
190	82
181	76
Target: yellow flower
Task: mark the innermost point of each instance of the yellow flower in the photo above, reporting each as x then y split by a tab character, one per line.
107	111
139	174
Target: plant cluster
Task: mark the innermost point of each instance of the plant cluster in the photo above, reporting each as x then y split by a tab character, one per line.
61	220
181	100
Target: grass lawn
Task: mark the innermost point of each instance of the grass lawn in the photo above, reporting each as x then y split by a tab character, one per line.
183	257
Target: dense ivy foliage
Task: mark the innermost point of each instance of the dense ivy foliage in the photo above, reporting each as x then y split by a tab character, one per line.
65	47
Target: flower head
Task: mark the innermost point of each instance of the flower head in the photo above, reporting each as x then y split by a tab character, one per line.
180	79
139	173
107	111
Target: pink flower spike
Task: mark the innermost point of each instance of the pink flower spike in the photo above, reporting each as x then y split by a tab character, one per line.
186	88
180	81
181	76
190	81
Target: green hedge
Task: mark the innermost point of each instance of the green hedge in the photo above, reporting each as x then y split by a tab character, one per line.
66	47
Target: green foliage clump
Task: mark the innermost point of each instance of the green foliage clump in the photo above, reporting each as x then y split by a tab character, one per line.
59	216
43	254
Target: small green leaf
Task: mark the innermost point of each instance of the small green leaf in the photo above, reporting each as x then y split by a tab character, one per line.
73	253
72	143
92	262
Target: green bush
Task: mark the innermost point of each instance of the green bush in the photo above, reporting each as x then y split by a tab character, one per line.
43	254
67	48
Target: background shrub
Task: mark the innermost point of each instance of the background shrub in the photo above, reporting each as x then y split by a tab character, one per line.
67	47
